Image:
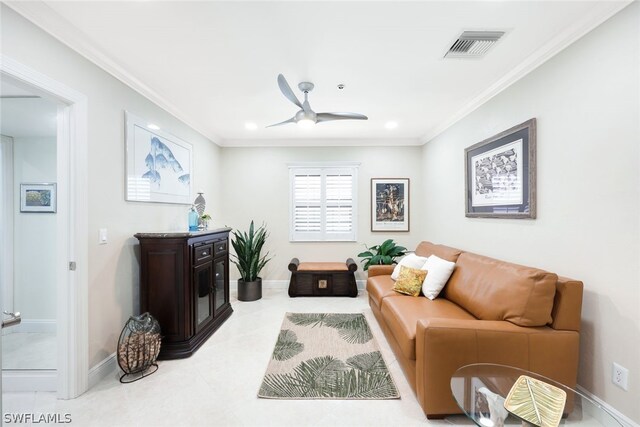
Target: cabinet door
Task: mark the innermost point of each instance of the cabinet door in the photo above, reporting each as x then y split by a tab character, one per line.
203	293
222	290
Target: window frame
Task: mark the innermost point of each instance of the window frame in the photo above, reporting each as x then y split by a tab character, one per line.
324	169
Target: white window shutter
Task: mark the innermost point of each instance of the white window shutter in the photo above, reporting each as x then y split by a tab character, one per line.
339	205
307	207
323	204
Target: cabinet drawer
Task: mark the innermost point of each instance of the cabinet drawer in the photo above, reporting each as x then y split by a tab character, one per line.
203	253
220	247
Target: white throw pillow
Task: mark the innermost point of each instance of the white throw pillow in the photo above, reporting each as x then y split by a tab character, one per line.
438	273
411	261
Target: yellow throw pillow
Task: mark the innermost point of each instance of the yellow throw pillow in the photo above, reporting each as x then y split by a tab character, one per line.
410	281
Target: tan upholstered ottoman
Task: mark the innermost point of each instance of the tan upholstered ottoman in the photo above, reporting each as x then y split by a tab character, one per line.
314	279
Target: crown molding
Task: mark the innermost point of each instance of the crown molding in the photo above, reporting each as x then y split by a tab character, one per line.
43	16
567	37
322	142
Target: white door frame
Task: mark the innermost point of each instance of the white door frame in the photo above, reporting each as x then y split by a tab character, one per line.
72	222
6	215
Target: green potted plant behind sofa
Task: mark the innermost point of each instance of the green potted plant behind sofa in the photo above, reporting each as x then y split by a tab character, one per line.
384	254
248	259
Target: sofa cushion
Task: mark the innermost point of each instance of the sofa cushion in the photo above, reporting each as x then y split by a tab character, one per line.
426	249
410	281
439	272
401	315
380	287
411	261
496	290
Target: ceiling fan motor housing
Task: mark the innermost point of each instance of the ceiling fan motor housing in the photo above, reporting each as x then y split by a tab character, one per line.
306	115
306	87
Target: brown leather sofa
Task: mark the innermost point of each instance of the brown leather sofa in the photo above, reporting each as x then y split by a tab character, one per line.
490	311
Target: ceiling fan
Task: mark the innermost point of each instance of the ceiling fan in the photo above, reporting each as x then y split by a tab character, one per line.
306	116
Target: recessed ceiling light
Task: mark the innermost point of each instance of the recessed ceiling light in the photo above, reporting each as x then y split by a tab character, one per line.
153	127
391	125
251	126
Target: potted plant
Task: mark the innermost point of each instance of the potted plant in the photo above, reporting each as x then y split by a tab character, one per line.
204	220
384	254
248	259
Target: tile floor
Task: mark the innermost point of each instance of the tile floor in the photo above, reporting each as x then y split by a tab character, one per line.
23	350
217	386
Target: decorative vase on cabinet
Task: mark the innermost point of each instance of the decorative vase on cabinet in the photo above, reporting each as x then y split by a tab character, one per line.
184	284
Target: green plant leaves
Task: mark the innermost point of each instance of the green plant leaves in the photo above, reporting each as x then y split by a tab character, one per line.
248	247
359	373
384	254
352	328
368	362
287	345
328	377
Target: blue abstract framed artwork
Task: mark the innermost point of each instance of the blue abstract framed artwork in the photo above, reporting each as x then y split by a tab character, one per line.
159	165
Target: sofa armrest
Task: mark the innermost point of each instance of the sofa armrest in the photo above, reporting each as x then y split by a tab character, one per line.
445	345
380	270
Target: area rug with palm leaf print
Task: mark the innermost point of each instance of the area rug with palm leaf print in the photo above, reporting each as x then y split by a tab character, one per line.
327	356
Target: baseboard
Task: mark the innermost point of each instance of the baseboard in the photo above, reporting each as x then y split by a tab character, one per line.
109	366
284	284
31	326
29	380
619	415
275	284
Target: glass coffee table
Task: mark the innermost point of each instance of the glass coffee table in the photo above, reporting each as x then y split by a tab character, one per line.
480	390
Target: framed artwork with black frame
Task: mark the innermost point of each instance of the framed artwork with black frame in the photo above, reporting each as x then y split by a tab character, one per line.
500	174
389	204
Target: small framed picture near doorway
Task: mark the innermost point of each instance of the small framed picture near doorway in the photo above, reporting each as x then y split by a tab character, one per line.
500	174
38	198
389	204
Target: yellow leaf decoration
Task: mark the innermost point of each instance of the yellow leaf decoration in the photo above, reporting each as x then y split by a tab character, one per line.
536	402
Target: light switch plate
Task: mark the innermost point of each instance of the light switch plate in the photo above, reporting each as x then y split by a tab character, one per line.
102	236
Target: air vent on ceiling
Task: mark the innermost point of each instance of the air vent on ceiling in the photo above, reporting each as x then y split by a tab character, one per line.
473	44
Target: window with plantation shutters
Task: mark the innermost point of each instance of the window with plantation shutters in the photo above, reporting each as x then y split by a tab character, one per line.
323	203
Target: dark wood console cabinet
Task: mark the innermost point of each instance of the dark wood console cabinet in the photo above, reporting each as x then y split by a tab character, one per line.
184	283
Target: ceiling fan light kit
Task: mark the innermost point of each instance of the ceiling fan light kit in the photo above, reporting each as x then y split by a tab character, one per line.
306	117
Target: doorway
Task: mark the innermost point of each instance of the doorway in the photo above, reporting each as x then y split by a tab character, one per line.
28	125
70	376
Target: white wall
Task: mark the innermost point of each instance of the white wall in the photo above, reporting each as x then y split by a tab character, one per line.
586	101
34	250
113	268
257	187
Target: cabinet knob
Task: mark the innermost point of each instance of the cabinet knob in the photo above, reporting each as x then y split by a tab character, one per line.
217	274
204	254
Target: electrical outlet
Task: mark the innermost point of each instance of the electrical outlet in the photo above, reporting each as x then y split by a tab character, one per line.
620	376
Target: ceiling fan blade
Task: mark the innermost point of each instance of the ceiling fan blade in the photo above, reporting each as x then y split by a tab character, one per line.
291	120
286	90
327	117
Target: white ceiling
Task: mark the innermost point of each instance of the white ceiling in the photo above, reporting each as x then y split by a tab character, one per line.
214	64
22	117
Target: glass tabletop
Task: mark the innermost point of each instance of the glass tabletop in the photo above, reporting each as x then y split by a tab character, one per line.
480	390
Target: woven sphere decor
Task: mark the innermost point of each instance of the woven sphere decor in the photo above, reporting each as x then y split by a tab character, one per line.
138	347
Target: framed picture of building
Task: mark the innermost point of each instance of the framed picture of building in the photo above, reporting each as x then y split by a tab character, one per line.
389	204
500	174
